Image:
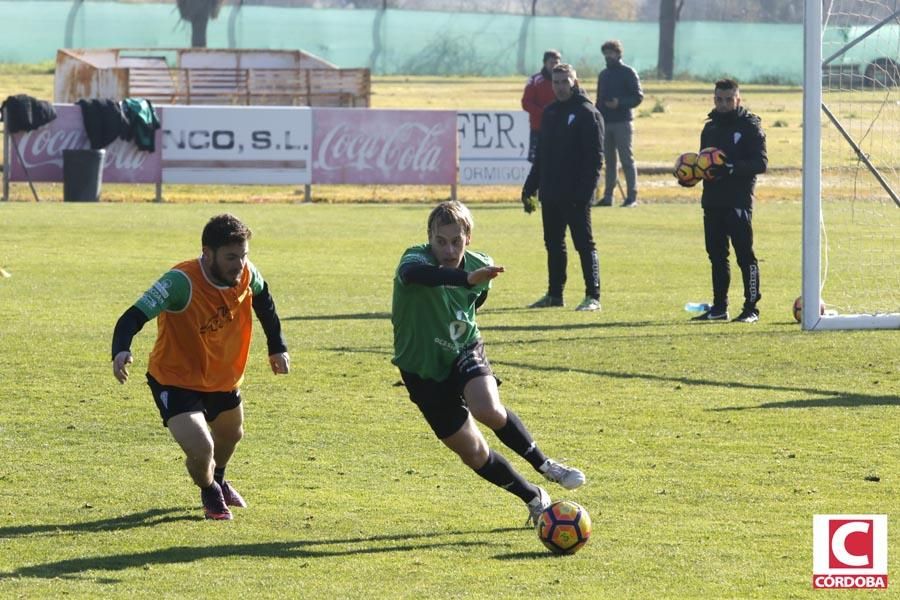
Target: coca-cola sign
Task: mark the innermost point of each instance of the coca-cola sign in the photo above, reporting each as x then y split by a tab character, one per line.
353	145
42	152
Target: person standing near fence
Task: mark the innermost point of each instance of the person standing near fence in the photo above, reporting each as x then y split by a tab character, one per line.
537	96
618	92
565	172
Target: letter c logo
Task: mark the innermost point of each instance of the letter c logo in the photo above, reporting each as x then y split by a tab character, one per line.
839	544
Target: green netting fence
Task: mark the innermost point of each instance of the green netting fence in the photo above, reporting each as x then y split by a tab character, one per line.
405	42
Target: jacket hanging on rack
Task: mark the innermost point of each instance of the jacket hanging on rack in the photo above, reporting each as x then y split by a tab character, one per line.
25	113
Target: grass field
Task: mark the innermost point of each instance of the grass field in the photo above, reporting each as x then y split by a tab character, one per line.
708	447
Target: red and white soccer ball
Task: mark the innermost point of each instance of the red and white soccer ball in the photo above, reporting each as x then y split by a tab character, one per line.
564	527
798	308
708	158
686	169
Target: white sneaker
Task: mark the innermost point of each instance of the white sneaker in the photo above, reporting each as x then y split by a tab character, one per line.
537	505
588	304
568	477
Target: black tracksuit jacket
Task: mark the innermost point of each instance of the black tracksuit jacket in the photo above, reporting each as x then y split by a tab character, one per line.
740	135
570	152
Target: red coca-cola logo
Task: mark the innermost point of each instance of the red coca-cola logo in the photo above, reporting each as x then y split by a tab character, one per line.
409	147
44	147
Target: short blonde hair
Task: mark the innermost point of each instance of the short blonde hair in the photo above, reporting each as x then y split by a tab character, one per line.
449	212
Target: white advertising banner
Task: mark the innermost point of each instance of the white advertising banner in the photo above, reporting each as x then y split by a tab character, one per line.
236	144
493	147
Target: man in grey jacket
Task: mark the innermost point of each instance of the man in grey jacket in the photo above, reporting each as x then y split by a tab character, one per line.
618	91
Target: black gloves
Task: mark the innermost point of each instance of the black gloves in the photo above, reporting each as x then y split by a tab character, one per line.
720	171
529	202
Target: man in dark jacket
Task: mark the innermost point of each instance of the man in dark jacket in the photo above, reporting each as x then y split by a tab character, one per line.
728	199
566	170
537	96
618	91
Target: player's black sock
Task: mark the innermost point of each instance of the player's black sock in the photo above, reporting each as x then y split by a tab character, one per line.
499	472
219	475
517	438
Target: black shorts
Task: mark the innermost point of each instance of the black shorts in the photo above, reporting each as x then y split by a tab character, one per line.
441	402
171	401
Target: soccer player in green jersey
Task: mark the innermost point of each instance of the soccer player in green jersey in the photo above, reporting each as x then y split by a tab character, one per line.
439	351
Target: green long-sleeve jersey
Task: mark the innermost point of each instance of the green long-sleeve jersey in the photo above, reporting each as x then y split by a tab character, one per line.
432	324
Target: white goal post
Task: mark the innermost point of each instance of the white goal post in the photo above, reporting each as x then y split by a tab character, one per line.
851	165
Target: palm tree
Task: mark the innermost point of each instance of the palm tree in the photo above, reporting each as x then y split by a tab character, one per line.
198	13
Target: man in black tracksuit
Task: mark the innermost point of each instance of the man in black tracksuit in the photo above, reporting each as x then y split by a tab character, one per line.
565	171
728	199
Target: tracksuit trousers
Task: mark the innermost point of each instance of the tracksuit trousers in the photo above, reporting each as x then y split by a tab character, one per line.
577	217
736	224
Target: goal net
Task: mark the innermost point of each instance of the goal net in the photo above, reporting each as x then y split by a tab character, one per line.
851	165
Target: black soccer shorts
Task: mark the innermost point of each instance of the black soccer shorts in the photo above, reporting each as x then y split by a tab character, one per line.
172	400
442	402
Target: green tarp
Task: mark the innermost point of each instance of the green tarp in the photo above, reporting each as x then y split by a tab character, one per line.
407	42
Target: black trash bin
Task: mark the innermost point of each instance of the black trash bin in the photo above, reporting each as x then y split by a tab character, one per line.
82	175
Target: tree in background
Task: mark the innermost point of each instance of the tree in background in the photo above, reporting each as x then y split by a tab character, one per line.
738	11
591	9
198	13
669	11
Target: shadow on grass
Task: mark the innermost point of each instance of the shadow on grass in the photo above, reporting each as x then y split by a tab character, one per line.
831	400
569	326
534	555
345	317
148	518
597	327
386	316
828	399
652	330
823	398
74	567
593	325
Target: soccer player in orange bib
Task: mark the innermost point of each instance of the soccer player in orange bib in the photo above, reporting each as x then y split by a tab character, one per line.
202	308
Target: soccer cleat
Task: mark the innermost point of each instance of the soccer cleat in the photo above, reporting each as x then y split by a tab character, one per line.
547	301
568	477
214	503
588	304
537	505
713	314
231	496
748	315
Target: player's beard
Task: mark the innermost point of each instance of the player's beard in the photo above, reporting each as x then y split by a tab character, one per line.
220	277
